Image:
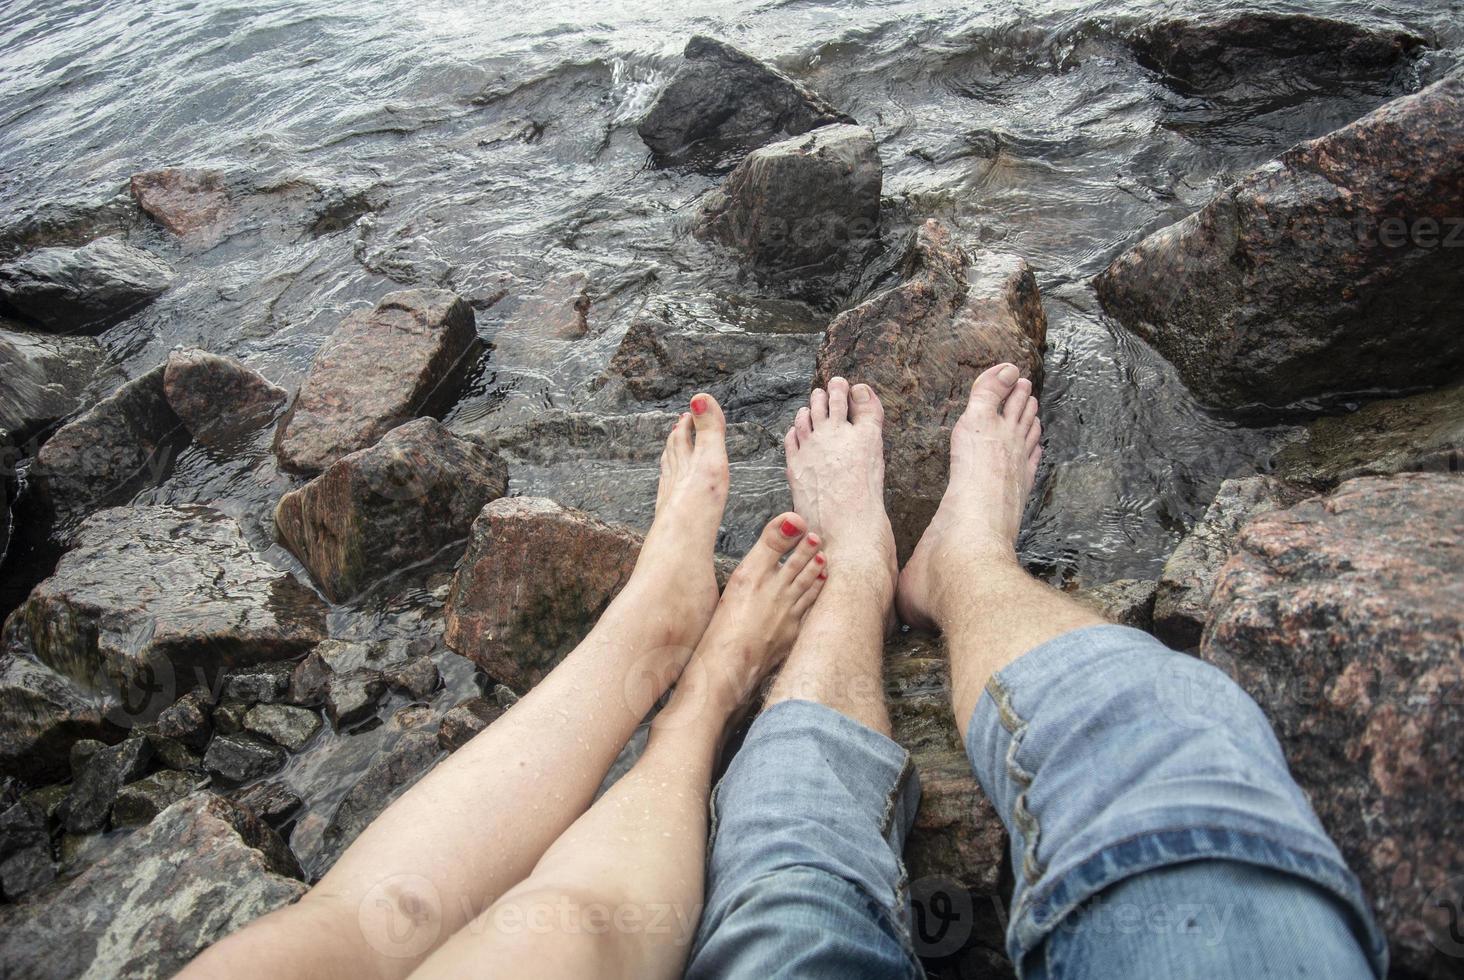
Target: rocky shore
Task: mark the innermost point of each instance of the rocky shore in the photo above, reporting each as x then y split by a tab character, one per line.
201	706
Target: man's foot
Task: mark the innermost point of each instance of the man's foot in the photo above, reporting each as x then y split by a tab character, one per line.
761	610
835	453
995	448
675	563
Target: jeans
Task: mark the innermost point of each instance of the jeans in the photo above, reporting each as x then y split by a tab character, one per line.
1155	833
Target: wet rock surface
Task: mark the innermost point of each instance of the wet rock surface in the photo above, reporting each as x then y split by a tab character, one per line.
41	715
156	598
391	774
139	802
98	781
83	289
1274	291
535	577
1342	616
920	344
240	758
218	399
724	100
46	379
286	726
393	504
461	722
184	201
406	357
803	204
201	870
1182	602
1127	601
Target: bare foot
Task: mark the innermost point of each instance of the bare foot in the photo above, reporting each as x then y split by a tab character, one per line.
758	616
675	563
835	453
995	448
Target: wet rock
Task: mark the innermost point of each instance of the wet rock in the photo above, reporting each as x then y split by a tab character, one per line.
1182	602
185	201
228	716
27	870
1235	54
535	578
91	797
351	696
149	597
309	679
1126	601
85	289
920	344
186	721
722	100
72	222
461	722
1342	617
1272	293
417	678
273	802
173	754
407	357
138	803
557	435
558	310
121	445
218	399
283	724
201	870
42	714
240	758
800	205
46	378
260	684
1424	432
391	774
81	753
391	505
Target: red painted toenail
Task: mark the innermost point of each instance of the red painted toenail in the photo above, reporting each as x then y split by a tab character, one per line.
698	404
822	576
819	559
789	529
812	539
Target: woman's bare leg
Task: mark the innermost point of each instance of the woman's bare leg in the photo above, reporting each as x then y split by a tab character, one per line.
620	894
479	822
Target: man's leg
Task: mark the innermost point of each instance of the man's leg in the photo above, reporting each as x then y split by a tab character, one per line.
805	877
1156	831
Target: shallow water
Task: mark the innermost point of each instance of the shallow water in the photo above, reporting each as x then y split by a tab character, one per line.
497	141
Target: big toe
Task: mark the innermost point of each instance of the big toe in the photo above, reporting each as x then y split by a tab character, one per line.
778	536
710	425
992	388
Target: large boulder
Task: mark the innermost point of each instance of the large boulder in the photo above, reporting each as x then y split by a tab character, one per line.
722	100
201	870
803	204
1182	602
157	599
42	714
1344	618
535	578
1328	270
85	289
1233	54
920	344
122	444
1396	435
218	399
46	378
407	357
394	504
75	220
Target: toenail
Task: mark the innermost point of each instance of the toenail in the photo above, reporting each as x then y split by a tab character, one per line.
1009	374
861	393
813	540
819	558
699	404
789	529
822	576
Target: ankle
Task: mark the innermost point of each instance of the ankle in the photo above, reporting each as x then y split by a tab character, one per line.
965	578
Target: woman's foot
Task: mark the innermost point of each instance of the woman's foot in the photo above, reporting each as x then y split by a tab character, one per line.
756	620
995	449
835	453
675	563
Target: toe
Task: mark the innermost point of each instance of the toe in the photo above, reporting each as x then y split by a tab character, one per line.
1016	402
865	407
818	406
800	556
811	586
838	400
1034	459
992	387
790	442
1034	435
814	567
1028	416
710	425
678	443
803	424
777	538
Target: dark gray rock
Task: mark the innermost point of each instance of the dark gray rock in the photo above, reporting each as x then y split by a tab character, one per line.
46	379
228	716
91	797
151	596
723	101
1126	601
138	803
201	870
283	724
81	753
42	714
417	678
1182	602
1274	292
218	399
173	754
70	222
388	506
27	870
800	206
239	758
461	722
351	696
273	802
83	289
391	773
309	679
260	684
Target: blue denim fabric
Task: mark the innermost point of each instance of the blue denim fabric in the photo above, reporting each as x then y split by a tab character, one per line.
804	876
